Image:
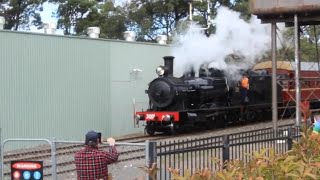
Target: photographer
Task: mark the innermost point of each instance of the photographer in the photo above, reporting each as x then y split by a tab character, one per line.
91	162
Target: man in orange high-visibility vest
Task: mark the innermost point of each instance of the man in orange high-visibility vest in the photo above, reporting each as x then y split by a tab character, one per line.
244	87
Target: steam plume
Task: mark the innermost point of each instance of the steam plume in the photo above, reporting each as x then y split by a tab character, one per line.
234	36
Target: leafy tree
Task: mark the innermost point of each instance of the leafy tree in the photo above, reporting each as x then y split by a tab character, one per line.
21	13
75	16
241	6
146	17
150	18
110	19
309	43
71	11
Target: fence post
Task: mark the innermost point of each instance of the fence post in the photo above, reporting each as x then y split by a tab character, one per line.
1	159
225	149
53	159
290	138
151	155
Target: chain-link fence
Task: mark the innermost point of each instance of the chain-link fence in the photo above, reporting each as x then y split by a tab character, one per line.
57	158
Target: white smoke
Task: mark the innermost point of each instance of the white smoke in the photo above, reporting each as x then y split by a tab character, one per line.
250	40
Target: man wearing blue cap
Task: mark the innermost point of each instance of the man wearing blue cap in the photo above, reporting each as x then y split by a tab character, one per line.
91	162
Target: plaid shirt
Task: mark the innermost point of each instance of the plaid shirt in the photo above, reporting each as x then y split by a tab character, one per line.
91	163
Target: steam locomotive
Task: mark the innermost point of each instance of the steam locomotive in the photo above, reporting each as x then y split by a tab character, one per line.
212	100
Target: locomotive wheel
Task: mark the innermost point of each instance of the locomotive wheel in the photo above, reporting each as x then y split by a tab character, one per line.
232	117
150	130
210	123
251	116
173	129
223	123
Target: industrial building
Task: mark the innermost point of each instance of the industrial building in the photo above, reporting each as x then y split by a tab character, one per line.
63	86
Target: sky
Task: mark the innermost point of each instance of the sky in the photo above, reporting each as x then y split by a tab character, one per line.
46	16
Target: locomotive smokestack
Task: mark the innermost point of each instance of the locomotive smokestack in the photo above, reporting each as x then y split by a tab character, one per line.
168	63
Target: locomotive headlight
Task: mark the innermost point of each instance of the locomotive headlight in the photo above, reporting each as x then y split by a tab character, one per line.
166	117
160	70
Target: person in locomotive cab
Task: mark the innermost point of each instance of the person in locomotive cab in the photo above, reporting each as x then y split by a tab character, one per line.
91	162
244	87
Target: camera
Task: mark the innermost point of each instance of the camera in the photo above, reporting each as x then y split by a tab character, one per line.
99	137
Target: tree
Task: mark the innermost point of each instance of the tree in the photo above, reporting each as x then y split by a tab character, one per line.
309	43
75	16
110	19
150	18
21	13
146	17
71	11
241	6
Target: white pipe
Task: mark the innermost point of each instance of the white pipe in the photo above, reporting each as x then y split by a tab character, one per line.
129	35
162	39
93	32
2	22
50	28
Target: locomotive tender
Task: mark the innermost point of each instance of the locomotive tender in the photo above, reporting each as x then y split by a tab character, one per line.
210	100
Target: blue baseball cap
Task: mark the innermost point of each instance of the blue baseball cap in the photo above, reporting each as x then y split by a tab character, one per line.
91	137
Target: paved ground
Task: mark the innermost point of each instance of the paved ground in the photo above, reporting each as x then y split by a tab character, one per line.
119	171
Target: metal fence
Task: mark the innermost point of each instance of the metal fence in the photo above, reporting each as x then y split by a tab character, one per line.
58	158
198	153
211	152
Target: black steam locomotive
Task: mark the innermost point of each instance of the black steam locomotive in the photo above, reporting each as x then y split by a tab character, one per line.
188	92
208	100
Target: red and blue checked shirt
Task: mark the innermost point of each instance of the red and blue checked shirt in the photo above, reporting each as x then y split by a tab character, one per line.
91	163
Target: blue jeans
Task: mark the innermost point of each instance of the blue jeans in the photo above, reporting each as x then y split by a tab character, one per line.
244	93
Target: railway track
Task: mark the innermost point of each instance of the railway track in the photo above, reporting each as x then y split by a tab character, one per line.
65	152
44	151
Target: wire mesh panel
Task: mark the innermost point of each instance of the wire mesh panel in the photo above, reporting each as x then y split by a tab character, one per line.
188	155
26	151
129	165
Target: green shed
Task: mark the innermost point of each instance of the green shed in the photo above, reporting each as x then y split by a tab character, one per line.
63	86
